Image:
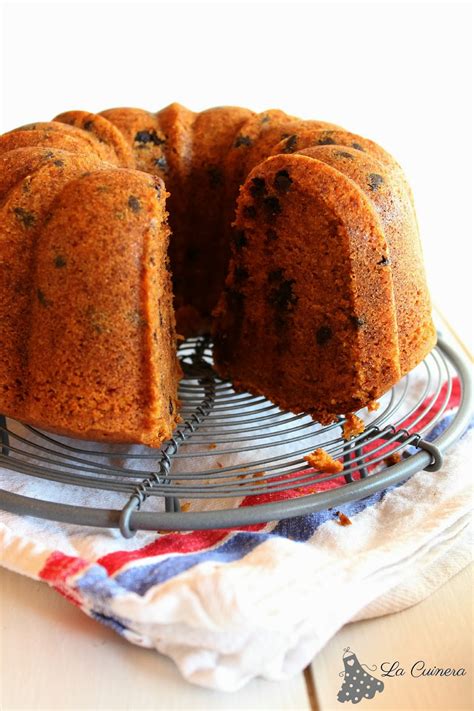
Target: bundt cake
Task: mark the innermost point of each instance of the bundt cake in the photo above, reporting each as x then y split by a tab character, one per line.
294	241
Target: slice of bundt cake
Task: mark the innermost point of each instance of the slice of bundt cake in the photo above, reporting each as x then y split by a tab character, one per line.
87	337
323	309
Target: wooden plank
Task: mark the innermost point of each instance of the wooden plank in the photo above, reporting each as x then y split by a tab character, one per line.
52	656
438	631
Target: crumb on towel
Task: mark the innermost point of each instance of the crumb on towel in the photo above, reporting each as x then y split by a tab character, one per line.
342	519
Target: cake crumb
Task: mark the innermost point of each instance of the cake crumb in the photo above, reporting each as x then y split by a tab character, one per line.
323	462
352	426
373	406
185	507
342	519
213	445
393	459
257	475
219	464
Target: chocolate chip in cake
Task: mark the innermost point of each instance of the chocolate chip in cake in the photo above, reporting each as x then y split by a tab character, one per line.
357	321
25	217
272	206
170	406
358	147
58	163
282	181
134	203
59	261
216	177
275	275
42	298
161	163
88	125
375	181
240	240
344	154
271	235
265	119
384	262
242	141
326	141
149	137
290	144
250	211
281	295
258	187
323	335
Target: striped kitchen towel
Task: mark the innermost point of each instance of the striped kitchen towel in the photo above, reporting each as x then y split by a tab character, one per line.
231	605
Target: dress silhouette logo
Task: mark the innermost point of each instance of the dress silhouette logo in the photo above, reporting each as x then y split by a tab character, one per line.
358	684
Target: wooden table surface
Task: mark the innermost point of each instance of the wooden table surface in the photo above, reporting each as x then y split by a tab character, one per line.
52	656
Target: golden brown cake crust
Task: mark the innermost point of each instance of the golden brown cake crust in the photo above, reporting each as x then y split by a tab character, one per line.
386	189
104	132
22	213
64	129
48	139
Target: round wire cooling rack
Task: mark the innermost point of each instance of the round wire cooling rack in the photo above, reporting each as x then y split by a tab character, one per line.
233	448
